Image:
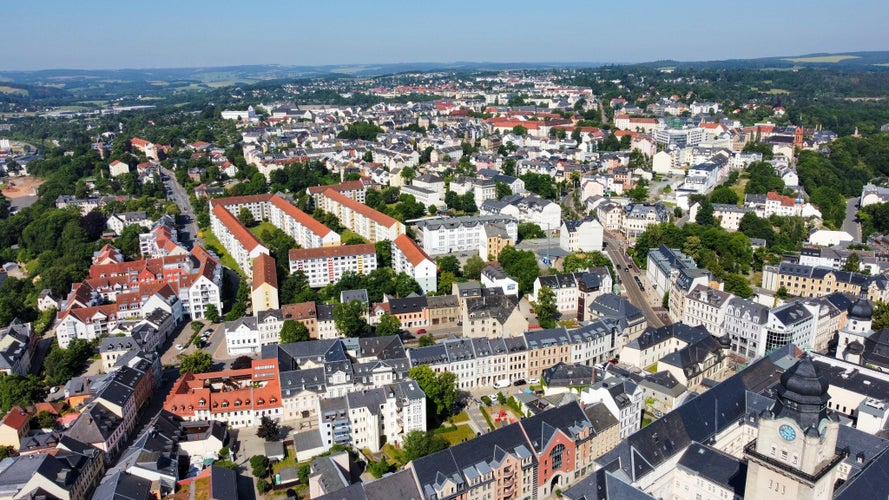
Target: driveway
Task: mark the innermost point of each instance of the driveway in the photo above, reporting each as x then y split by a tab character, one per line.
850	225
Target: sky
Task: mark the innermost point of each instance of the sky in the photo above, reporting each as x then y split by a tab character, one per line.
106	34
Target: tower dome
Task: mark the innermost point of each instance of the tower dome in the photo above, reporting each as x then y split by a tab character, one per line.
802	394
862	309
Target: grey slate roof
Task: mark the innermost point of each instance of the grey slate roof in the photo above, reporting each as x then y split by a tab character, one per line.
715	466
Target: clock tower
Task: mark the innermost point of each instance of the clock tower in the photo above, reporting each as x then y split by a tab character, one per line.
794	455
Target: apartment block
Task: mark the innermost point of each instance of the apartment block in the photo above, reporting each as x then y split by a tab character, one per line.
359	218
326	265
409	258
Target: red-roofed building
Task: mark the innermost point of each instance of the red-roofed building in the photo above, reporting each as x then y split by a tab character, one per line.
323	266
366	222
118	168
14	426
265	284
240	398
408	257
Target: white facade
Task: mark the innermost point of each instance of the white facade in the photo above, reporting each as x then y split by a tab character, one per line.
323	266
581	236
458	234
408	257
745	323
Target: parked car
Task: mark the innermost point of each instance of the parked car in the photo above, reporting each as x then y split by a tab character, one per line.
533	380
421	331
519	382
179	347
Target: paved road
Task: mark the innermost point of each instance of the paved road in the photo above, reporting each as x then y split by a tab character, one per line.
850	225
188	234
637	297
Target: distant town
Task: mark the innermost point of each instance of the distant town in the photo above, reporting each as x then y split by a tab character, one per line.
611	283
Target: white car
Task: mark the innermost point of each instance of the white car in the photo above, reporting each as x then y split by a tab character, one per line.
533	381
179	347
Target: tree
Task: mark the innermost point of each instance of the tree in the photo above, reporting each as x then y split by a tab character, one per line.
212	314
242	362
45	420
530	230
349	318
519	130
545	307
260	465
639	192
303	473
472	269
502	190
445	283
63	364
197	362
724	195
384	253
408	173
7	451
441	390
226	464
368	156
705	215
426	340
246	217
677	212
405	285
853	263
665	302
293	331
737	284
379	469
389	325
880	319
782	293
522	265
18	390
128	241
295	289
449	264
268	429
418	444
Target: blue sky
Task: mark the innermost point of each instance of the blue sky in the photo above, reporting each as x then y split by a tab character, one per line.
103	34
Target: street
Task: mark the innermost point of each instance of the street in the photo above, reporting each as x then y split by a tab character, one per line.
188	234
617	252
850	224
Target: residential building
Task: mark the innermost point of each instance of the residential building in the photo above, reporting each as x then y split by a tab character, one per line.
790	323
746	324
409	258
703	358
17	347
729	216
638	216
15	425
661	263
582	235
707	307
630	318
492	316
529	208
623	399
326	265
264	294
808	281
69	472
611	216
240	398
359	218
494	276
118	221
460	234
495	237
355	190
574	291
118	168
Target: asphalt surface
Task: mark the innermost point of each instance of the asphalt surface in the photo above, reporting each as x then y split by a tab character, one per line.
850	224
617	252
188	234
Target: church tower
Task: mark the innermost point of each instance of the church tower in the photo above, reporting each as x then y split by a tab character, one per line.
794	455
850	339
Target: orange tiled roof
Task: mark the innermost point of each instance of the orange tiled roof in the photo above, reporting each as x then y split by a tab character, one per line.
378	217
264	271
244	236
327	252
342	186
17	418
303	218
254	388
414	254
303	310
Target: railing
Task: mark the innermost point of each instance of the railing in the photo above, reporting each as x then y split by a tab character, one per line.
750	450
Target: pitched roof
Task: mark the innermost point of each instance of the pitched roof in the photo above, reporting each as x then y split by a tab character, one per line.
244	237
360	208
264	271
414	254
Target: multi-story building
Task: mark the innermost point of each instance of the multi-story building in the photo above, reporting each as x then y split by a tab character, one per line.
359	218
574	291
304	229
460	234
729	216
370	418
661	263
264	292
704	358
582	235
531	458
611	216
494	239
655	343
638	216
17	346
808	281
409	258
240	398
355	190
706	306
241	244
326	265
492	316
746	323
118	221
622	397
790	323
493	276
424	196
530	208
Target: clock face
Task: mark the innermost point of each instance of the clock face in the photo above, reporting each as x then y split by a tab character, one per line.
787	432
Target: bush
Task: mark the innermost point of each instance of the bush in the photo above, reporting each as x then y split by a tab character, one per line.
262	485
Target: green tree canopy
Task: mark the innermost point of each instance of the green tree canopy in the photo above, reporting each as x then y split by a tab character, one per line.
389	325
521	264
197	362
472	269
349	318
441	390
545	307
293	331
417	444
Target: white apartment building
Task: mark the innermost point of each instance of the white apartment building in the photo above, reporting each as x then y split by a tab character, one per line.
745	323
638	216
424	196
791	322
459	234
303	228
118	221
611	216
408	257
241	244
623	398
359	218
582	235
494	276
706	306
327	264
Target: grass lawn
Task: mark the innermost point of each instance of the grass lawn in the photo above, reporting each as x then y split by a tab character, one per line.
645	421
257	229
739	188
652	368
463	433
392	454
289	461
461	417
211	242
348	234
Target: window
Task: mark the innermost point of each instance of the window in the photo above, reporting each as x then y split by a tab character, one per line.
556	456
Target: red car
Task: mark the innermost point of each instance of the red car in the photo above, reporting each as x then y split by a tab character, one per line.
421	331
